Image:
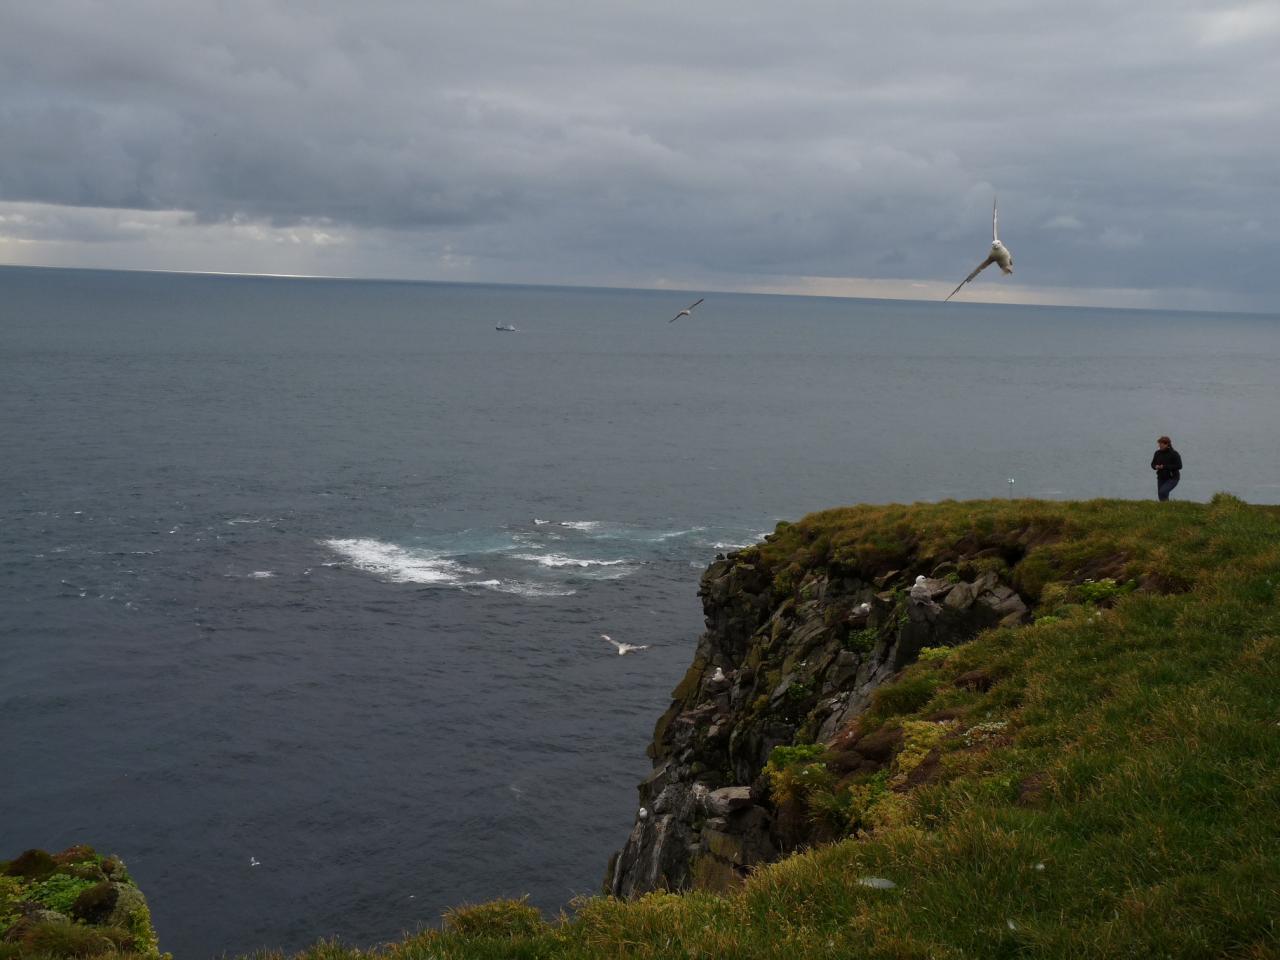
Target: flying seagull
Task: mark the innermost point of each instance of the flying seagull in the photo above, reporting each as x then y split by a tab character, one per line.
999	254
686	311
624	647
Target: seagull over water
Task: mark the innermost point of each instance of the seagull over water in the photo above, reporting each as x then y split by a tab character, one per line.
624	648
687	310
999	254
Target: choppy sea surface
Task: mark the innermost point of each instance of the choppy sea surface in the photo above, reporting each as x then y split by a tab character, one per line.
312	574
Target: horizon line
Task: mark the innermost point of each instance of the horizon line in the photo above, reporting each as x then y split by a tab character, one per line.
757	292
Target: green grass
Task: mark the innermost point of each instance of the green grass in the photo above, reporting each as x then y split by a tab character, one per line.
1113	792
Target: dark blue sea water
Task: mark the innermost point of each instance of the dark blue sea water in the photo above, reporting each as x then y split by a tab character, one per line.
314	572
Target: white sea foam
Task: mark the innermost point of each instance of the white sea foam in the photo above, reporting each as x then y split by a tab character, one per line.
399	564
673	534
262	574
735	544
617	574
555	560
626	531
524	588
738	542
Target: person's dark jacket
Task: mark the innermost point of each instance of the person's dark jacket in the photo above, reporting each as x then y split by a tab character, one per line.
1166	463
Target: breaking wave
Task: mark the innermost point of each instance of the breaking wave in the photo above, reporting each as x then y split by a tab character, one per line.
541	558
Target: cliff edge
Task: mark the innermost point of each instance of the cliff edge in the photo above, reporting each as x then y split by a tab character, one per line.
798	722
797	643
76	903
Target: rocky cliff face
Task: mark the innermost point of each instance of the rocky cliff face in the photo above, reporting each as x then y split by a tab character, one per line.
789	656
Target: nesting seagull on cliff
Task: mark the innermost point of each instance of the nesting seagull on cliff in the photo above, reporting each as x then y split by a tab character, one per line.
624	648
999	254
686	311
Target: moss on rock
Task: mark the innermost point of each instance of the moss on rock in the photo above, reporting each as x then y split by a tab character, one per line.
31	865
66	905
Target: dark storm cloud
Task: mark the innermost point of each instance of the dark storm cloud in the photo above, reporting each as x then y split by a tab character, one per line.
1131	147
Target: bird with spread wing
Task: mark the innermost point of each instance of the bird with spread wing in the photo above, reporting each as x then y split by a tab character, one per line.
686	311
999	254
624	648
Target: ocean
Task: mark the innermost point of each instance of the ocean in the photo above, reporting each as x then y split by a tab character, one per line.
312	574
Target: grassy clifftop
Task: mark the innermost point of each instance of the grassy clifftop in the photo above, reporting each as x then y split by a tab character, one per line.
1102	781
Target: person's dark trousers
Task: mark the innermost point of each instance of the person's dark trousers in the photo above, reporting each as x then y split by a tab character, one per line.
1165	487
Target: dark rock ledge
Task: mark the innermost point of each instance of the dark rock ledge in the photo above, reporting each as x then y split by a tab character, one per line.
777	667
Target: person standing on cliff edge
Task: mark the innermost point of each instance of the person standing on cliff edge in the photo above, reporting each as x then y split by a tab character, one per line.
1168	467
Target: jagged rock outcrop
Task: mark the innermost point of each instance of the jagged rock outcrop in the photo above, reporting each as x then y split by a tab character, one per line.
76	902
784	659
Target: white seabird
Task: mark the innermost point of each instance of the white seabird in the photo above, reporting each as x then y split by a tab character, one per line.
999	254
624	647
686	311
877	883
920	589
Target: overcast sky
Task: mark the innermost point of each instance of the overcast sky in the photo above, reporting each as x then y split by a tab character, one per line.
824	147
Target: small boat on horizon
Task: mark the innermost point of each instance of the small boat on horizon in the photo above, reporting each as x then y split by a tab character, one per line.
506	328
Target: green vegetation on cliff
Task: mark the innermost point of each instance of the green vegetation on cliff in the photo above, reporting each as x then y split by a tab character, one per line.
1103	781
76	903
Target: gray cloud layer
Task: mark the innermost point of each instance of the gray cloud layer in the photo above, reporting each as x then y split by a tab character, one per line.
1133	146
